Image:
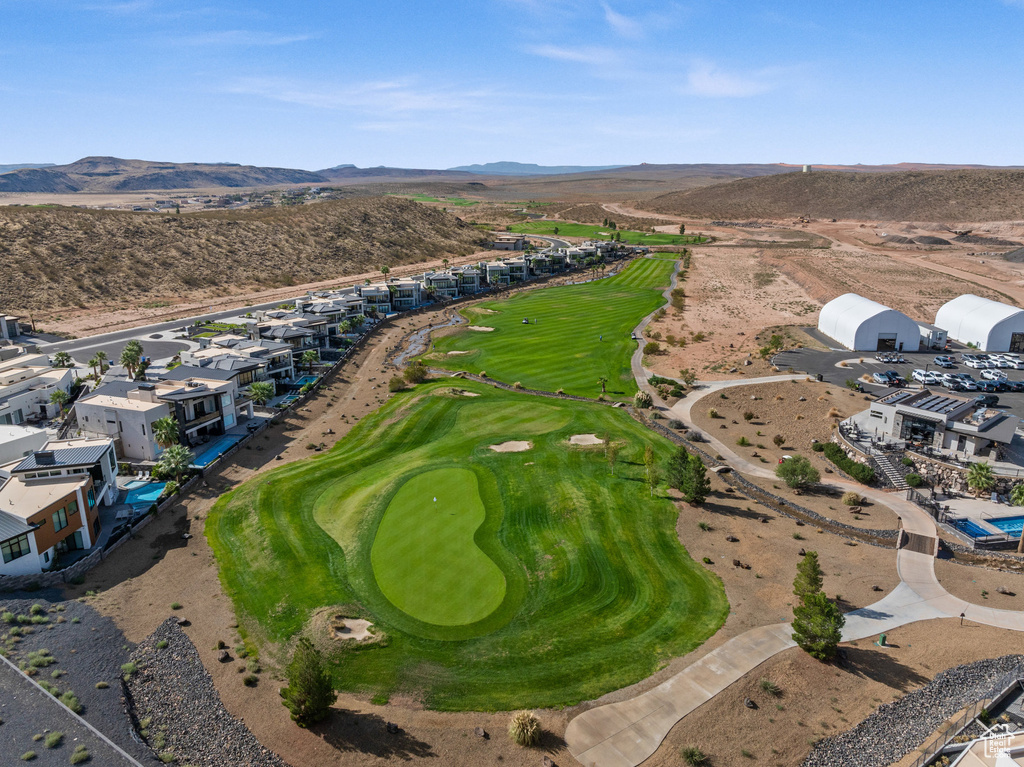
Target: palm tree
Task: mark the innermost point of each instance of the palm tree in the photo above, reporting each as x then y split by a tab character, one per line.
165	430
102	357
602	380
94	363
445	262
60	397
261	391
344	326
131	357
385	270
62	360
175	461
309	358
980	478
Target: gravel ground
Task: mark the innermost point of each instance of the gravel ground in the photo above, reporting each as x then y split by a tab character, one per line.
897	728
179	709
89	650
27	712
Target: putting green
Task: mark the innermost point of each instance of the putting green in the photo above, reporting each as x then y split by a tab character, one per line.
424	558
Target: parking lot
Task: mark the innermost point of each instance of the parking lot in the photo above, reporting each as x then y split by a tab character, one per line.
815	362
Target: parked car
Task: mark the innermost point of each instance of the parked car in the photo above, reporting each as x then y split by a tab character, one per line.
1016	385
895	378
944	361
919	375
993	375
989	400
967	381
989	386
952	384
976	363
881	378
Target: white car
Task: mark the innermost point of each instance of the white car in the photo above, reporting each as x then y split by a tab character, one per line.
967	382
976	363
1000	361
919	375
993	375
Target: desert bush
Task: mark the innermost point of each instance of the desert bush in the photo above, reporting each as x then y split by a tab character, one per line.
517	385
743	442
704	526
642	400
851	498
54	739
693	756
674	424
768	686
907	461
748	415
652	347
859	471
396	384
779	440
818	447
914	480
70	700
712	413
834	413
80	755
524	728
250	680
415	373
797	472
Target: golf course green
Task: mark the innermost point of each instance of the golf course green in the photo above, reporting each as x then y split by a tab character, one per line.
543	578
569	229
576	334
424	557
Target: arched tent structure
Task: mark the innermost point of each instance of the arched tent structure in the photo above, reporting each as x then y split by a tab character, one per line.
991	326
864	325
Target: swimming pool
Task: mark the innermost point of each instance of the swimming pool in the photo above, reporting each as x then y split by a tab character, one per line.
214	448
971	527
144	494
289	399
304	380
1009	525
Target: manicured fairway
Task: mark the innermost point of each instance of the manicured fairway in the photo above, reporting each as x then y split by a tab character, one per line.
577	333
568	229
424	557
598	591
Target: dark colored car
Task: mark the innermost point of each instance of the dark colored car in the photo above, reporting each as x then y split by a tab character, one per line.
989	386
988	400
895	378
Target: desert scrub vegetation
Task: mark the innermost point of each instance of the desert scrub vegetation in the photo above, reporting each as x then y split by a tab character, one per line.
524	728
64	257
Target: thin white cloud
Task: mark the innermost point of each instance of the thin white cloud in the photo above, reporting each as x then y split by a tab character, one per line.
580	54
622	25
129	6
245	38
376	98
1014	3
707	79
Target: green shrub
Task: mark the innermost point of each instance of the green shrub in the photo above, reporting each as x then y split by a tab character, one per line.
914	480
743	442
70	700
54	739
80	755
250	680
396	384
129	669
175	605
851	498
102	685
768	686
7	617
162	644
859	471
28	756
524	728
907	460
818	447
693	756
652	347
36	609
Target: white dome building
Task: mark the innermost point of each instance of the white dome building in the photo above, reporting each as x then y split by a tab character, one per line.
864	325
990	325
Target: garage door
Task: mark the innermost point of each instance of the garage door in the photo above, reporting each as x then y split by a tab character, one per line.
886	342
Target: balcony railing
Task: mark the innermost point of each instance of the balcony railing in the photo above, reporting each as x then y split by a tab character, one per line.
202	420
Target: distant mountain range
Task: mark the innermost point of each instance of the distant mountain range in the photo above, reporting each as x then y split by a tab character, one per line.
112	174
528	169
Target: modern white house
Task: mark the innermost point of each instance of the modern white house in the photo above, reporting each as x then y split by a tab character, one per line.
27	382
941	421
205	405
861	324
990	326
18	441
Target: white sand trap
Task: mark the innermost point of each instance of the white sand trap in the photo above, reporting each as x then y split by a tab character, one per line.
457	353
353	628
515	446
481	310
585	439
480	328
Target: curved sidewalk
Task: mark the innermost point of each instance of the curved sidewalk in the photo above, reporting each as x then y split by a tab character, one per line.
626	733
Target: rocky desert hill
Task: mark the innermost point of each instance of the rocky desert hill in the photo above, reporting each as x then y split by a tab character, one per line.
945	196
67	257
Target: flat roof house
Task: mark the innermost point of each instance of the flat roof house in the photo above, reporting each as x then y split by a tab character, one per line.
509	242
941	421
26	383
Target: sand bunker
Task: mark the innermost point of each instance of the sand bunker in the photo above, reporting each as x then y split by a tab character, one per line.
480	328
457	353
512	447
585	439
352	628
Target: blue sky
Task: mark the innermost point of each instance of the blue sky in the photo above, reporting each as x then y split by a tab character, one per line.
593	82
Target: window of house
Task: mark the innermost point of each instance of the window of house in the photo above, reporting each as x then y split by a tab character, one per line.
60	520
143	430
15	548
73	507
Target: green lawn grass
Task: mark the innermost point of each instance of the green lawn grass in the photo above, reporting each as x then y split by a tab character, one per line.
569	229
599	592
457	201
582	333
424	558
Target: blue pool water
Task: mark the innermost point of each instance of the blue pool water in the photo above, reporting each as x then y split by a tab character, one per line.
1009	525
972	528
144	493
214	448
304	380
136	483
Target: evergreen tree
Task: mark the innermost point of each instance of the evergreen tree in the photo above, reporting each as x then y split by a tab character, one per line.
678	470
310	693
700	484
818	626
809	578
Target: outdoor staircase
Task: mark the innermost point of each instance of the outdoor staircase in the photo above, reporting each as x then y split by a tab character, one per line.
892	474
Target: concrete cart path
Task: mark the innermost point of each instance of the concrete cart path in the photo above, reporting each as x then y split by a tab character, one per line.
626	733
